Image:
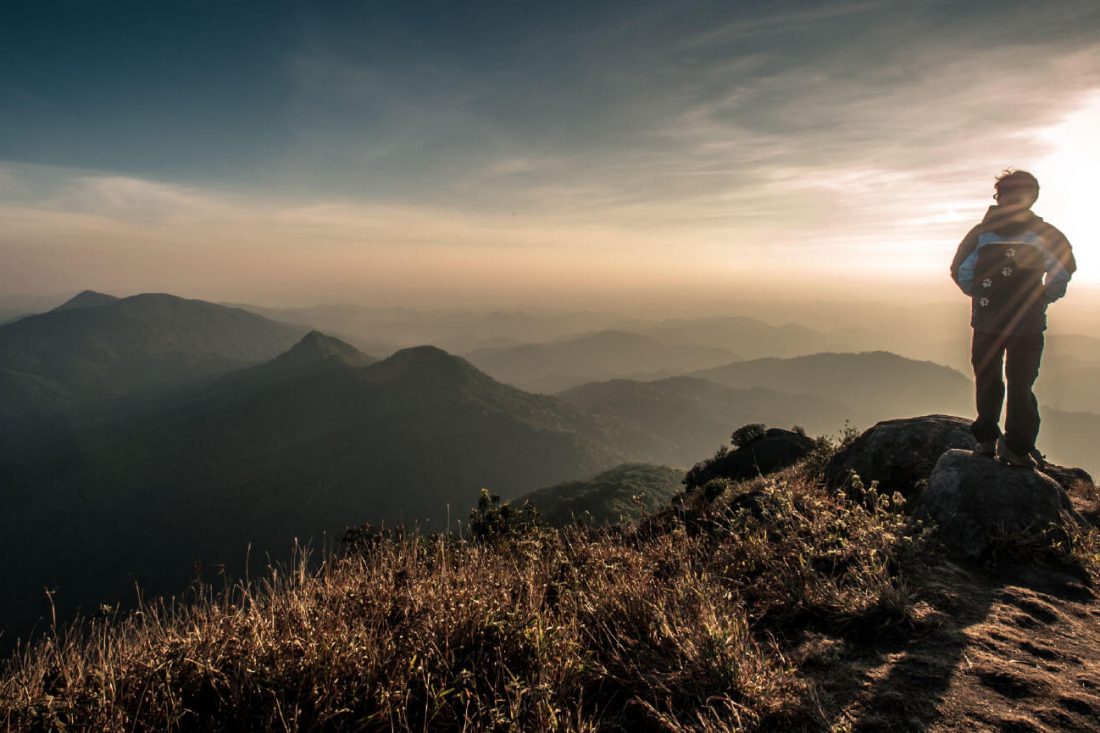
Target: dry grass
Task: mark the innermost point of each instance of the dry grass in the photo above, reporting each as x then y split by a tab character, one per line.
680	624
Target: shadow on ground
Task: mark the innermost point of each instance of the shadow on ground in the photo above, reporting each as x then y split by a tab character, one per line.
1013	650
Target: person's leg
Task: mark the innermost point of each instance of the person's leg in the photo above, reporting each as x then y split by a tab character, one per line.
987	356
1024	352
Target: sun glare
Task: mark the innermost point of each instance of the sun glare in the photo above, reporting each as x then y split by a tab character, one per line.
1068	176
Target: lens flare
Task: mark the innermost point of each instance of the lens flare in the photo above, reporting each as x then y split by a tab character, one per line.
1068	176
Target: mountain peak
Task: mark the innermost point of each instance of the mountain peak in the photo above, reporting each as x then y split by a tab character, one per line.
316	348
422	357
426	362
421	354
86	299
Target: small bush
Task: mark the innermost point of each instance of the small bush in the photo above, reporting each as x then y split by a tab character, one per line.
825	447
748	434
492	520
368	538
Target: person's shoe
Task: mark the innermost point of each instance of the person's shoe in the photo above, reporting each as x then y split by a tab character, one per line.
987	448
1040	459
1010	457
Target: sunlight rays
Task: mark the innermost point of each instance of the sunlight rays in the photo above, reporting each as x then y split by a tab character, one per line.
1068	176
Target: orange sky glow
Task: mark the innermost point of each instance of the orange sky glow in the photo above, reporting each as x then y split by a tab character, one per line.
755	172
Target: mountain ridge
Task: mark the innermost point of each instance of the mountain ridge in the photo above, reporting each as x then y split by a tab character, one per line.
695	415
895	384
260	456
112	344
86	299
555	365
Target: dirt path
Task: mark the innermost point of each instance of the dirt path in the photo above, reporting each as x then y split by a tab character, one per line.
1017	651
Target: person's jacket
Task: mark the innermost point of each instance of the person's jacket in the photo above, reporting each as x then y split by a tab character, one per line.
1012	265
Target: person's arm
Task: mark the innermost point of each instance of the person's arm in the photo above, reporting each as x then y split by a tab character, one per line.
1059	264
966	258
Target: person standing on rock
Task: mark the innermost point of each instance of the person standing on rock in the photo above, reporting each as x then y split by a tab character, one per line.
1012	265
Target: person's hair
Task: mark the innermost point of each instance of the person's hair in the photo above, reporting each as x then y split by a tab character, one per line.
1012	182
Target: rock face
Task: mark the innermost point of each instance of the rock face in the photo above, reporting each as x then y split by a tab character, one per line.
900	453
775	450
976	502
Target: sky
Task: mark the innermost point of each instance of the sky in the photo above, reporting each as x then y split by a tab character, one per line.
560	153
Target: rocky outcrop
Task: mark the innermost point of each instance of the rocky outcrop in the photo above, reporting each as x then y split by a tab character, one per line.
899	454
978	503
776	449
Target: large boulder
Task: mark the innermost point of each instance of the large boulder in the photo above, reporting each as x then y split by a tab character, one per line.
978	503
774	450
899	454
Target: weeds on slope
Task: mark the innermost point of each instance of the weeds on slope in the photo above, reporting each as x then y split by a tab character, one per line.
680	623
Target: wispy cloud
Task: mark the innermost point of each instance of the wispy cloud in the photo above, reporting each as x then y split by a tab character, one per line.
699	136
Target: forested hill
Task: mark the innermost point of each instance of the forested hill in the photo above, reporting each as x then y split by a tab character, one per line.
314	441
96	347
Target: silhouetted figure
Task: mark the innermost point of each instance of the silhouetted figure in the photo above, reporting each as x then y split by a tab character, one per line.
1012	265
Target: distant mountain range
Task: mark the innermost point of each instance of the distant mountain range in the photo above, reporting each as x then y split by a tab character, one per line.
467	332
382	330
875	385
96	347
556	365
751	338
147	433
693	416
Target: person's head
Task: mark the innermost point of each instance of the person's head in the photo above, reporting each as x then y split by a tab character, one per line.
1016	189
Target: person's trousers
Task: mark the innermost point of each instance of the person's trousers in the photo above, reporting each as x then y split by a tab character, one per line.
1011	357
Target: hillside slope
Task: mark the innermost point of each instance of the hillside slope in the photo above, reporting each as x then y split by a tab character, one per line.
308	443
620	494
770	605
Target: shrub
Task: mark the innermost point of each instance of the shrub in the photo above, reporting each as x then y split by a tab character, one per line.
748	434
367	538
825	447
493	520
